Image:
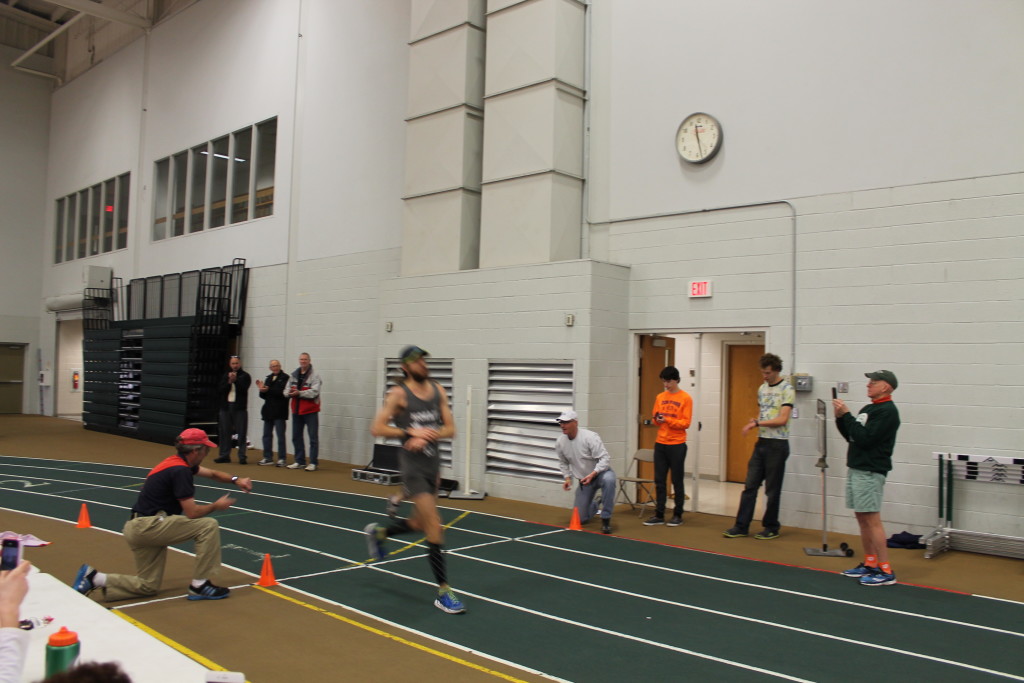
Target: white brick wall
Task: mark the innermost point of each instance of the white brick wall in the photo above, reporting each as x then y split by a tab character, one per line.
328	308
923	280
518	313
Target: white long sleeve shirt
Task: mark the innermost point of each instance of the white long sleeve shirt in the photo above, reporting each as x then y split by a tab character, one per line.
13	649
580	456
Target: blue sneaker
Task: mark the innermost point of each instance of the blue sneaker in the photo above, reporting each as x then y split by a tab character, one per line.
878	578
448	602
83	580
208	592
859	571
375	540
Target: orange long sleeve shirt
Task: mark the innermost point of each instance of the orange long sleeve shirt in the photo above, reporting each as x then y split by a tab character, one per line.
677	409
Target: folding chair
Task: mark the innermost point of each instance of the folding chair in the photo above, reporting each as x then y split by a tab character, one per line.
644	493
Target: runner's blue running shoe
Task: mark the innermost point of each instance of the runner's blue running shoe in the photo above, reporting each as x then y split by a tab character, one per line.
448	602
878	578
375	540
859	571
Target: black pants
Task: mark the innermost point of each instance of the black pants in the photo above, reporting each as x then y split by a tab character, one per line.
271	427
768	465
667	458
233	421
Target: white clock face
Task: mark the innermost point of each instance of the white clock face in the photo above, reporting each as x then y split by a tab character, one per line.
699	138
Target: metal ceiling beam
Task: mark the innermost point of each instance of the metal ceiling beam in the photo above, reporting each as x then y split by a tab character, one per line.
35	48
105	12
27	18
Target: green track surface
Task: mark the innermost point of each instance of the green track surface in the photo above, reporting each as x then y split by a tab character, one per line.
575	605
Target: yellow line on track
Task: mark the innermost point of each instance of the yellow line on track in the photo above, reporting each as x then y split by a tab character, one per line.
413	544
191	654
391	636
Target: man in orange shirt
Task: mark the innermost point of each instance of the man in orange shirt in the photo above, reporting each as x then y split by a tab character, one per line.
673	409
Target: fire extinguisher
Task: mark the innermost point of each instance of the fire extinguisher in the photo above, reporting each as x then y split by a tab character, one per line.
74	379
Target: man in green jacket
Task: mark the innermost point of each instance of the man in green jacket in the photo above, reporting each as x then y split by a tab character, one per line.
872	437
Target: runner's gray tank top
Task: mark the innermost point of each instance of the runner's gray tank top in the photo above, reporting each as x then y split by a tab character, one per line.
419	413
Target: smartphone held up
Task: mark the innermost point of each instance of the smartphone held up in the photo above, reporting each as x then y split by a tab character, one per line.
10	557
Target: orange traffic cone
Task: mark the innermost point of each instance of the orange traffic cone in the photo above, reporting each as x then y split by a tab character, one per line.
267	574
83	518
574	524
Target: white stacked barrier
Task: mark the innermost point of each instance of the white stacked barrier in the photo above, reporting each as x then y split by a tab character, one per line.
987	468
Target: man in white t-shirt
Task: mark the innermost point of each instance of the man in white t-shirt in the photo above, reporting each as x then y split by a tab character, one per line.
775	399
582	455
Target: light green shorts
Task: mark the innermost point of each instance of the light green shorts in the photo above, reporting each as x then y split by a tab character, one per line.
864	490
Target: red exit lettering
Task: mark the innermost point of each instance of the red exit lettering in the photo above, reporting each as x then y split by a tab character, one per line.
700	288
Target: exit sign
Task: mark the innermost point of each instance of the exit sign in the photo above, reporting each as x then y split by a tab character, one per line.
700	288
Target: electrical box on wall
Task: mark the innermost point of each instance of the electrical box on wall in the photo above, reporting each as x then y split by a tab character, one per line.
98	277
802	382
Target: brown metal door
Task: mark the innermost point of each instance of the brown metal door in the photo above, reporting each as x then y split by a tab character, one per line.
744	379
12	377
655	353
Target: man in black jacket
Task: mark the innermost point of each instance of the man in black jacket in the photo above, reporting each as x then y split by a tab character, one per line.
274	414
233	390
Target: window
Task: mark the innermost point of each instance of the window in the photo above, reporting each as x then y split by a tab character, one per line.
160	185
121	210
179	164
200	161
224	181
242	153
86	222
266	157
58	240
107	214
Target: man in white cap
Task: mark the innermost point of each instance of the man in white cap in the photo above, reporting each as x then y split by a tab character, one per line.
165	514
582	455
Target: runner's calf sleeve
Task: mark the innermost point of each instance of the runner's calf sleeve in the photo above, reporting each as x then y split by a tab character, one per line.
437	564
399	526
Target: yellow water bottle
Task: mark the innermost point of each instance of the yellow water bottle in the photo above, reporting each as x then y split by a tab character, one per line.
61	651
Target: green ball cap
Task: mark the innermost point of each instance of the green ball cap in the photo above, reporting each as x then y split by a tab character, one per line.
884	375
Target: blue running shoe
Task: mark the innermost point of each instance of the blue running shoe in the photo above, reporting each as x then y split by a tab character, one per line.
375	536
208	592
83	580
448	602
878	578
859	571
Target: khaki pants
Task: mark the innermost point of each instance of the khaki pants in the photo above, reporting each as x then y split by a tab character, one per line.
149	537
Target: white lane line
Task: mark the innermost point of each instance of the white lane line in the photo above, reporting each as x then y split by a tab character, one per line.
201	485
140	473
424	634
617	634
740	617
393	624
605	557
758	586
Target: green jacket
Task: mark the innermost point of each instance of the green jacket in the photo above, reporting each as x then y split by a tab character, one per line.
871	435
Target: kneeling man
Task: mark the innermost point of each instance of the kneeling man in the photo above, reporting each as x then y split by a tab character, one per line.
581	454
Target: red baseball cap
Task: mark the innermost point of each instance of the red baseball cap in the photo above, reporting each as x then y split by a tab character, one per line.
195	437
